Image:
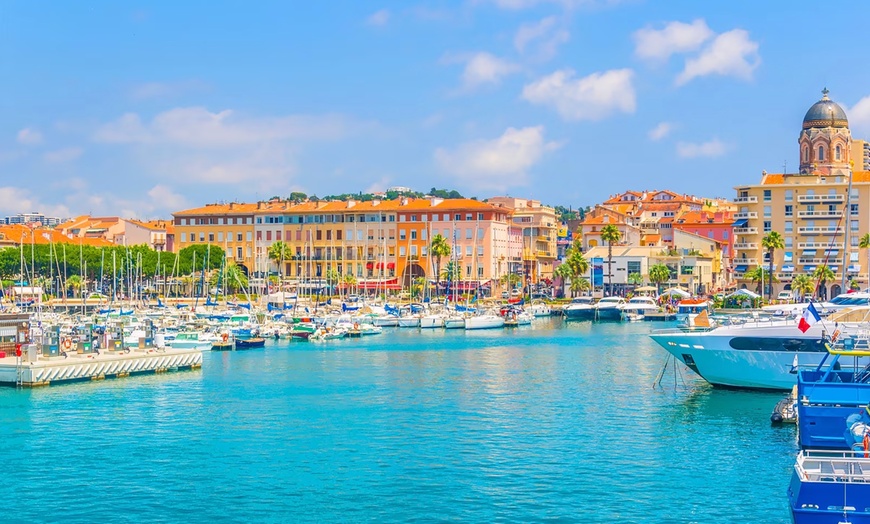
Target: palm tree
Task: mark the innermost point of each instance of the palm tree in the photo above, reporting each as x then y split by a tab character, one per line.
659	274
74	283
804	285
439	248
279	251
759	275
332	277
823	273
574	266
635	279
578	285
611	235
349	280
864	243
771	242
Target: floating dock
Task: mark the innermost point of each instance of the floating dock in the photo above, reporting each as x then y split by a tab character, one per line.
659	316
28	361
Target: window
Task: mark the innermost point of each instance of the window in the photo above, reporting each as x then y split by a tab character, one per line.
202	237
821	153
767	227
359	234
633	266
468	251
480	272
837	152
424	250
239	252
725	235
468	271
468	234
853	209
468	216
220	236
853	225
480	216
789	241
789	226
855	240
193	237
789	195
249	235
789	210
401	251
767	195
413	251
806	154
238	237
318	235
413	234
767	212
268	235
424	235
480	234
480	251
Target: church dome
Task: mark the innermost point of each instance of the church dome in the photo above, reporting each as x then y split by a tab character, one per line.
825	113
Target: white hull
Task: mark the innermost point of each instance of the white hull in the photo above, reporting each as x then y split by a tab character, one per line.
484	322
409	322
454	323
431	322
386	321
760	359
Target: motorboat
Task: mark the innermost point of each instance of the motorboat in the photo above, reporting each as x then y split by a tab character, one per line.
431	321
487	321
538	308
609	308
690	307
580	308
454	322
191	340
830	480
756	354
842	301
637	307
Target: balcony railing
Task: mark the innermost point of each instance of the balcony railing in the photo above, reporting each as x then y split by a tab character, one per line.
745	245
746	214
745	230
819	245
821	214
821	198
746	200
820	230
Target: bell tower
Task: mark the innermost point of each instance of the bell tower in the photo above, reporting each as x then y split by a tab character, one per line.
825	141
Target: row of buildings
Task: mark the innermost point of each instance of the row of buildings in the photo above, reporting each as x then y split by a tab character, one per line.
821	212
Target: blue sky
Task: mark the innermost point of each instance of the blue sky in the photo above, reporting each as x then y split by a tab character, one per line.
144	109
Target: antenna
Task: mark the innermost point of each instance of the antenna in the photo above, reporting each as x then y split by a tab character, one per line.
784	167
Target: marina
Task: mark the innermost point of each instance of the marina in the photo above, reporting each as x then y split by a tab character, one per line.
480	425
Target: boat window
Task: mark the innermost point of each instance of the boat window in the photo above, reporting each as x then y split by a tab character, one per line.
777	344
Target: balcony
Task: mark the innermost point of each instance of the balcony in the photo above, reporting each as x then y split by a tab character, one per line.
811	199
837	213
745	245
745	230
820	230
819	245
746	200
814	260
746	214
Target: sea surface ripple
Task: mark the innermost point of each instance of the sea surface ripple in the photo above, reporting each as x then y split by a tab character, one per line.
556	423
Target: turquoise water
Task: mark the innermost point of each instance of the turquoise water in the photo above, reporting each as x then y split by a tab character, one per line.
530	425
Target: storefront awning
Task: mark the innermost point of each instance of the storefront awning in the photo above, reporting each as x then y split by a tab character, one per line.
740	223
741	268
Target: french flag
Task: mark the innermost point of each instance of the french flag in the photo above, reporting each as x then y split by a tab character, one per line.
810	317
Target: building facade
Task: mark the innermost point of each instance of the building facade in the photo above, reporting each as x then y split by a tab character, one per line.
819	217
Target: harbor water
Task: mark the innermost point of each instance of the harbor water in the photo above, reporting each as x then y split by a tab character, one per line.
552	423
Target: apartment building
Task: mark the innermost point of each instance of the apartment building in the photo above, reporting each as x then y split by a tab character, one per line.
819	217
229	226
538	227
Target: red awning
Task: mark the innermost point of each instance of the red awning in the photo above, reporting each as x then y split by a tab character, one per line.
370	265
391	265
379	265
382	284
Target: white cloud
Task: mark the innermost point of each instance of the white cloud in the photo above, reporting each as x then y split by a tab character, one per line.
675	37
167	198
482	68
29	137
379	18
544	36
710	149
499	162
729	54
592	97
198	127
660	131
14	200
60	156
859	117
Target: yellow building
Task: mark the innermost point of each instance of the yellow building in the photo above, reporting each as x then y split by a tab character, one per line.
820	220
229	226
539	228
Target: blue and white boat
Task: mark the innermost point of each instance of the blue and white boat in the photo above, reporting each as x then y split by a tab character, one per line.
580	308
609	308
831	478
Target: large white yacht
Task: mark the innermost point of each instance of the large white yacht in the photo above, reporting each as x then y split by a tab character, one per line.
637	307
580	308
845	300
759	354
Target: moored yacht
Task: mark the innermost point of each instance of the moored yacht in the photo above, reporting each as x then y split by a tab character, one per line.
609	308
759	354
580	308
637	307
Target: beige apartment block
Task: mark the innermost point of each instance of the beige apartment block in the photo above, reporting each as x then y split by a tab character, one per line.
820	218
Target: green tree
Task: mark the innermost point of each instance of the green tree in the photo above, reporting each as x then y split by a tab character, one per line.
658	275
611	235
579	285
349	281
232	276
823	274
803	285
280	252
74	283
574	266
438	249
771	242
758	275
635	279
864	243
332	277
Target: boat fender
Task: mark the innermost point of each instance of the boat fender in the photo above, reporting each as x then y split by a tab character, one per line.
356	325
866	445
776	418
225	337
67	343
